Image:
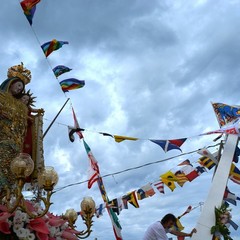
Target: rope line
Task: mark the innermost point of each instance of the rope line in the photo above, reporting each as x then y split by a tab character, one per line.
134	168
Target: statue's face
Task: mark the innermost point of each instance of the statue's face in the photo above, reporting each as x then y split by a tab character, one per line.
25	99
16	88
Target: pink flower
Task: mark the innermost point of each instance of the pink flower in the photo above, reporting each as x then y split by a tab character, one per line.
4	225
29	206
42	236
39	226
4	216
55	221
69	235
3	208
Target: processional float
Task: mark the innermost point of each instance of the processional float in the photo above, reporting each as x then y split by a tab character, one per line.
22	161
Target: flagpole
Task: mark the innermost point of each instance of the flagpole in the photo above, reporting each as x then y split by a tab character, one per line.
217	189
55	118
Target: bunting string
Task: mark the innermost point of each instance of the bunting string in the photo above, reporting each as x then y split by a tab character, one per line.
164	142
137	167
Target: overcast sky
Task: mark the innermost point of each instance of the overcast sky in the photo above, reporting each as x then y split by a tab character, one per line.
152	69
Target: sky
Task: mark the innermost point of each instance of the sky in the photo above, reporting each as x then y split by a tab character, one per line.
151	71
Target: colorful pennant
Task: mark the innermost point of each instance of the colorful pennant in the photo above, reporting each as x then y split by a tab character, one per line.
60	69
225	113
71	84
168	179
206	153
29	8
145	192
188	210
168	145
51	46
185	162
182	178
234	174
93	171
99	210
230	197
116	207
160	186
114	219
131	198
191	172
76	125
207	162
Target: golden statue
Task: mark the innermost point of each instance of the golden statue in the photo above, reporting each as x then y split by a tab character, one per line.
13	120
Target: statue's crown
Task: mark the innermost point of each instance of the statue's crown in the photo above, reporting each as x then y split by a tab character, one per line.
21	72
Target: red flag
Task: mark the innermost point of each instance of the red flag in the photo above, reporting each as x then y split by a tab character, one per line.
185	162
188	210
93	168
76	125
160	186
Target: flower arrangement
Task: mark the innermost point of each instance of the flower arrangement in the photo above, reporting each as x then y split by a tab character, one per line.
18	225
223	216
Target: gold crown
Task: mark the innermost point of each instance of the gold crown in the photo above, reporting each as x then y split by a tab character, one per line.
21	72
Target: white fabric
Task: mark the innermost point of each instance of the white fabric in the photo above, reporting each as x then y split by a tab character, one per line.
155	231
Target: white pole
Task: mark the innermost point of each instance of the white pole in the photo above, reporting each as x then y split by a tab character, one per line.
215	195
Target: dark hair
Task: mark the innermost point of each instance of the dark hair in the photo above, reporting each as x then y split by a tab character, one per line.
168	217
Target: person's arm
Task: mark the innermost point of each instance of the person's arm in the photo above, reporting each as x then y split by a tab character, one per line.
183	234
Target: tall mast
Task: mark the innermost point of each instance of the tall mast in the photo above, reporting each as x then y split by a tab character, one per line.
215	195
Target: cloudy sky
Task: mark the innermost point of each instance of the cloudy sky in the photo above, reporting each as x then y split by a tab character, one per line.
152	69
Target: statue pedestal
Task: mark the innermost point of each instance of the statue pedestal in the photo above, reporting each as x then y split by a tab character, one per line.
215	195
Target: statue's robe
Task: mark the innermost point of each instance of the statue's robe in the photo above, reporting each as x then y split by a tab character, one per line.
13	125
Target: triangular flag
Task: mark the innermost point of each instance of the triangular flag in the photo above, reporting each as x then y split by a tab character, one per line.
230	197
226	113
168	145
122	138
188	210
29	8
131	198
185	162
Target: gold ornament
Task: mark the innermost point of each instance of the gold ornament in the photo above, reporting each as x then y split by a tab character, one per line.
21	72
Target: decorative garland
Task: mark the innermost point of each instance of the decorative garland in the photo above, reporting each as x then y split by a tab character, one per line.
18	225
222	215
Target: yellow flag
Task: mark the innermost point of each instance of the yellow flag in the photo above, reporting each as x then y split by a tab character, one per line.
181	178
168	179
179	225
122	138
